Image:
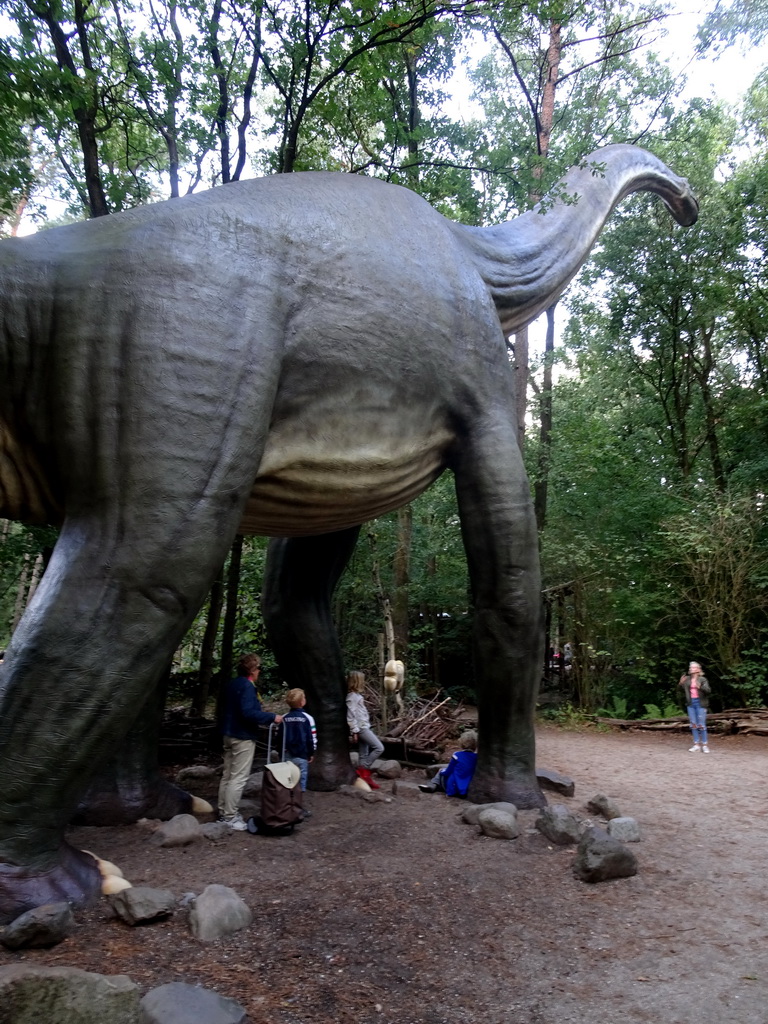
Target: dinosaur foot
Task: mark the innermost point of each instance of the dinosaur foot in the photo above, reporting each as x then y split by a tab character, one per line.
523	791
77	877
328	773
126	805
112	878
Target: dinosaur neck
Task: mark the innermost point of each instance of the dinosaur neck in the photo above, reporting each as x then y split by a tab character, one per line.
528	262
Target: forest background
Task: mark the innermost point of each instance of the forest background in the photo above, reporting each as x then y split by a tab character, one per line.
643	412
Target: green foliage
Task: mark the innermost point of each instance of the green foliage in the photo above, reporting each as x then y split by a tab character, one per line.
567	716
670	710
616	709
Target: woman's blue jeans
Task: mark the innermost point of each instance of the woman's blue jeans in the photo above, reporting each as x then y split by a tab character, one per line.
698	718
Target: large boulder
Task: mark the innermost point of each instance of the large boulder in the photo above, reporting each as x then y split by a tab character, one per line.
66	995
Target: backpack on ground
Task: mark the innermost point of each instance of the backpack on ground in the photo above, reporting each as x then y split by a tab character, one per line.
281	803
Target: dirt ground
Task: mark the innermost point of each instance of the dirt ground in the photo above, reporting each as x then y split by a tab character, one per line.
397	913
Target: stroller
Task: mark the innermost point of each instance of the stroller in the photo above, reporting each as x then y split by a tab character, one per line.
281	806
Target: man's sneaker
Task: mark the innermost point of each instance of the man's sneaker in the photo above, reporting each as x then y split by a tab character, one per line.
304	814
705	749
694	748
428	787
236	823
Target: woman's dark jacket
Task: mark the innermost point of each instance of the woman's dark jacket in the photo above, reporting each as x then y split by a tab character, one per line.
704	690
241	711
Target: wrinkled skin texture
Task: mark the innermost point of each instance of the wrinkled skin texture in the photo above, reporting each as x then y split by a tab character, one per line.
291	356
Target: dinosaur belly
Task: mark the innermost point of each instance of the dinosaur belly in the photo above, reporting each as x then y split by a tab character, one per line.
313	482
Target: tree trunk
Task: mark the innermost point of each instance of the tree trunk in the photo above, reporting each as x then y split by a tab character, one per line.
230	614
545	429
400	610
208	650
520	371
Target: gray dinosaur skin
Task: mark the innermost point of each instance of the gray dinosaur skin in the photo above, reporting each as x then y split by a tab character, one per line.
290	356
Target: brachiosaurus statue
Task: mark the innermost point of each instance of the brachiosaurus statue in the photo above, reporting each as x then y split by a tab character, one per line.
290	356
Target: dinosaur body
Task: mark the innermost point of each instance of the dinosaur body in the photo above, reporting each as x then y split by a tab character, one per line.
290	356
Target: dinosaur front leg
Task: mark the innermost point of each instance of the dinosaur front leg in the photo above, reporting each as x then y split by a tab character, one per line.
499	532
301	575
117	597
129	784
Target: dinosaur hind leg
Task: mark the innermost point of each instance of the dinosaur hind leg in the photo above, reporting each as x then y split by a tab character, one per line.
299	581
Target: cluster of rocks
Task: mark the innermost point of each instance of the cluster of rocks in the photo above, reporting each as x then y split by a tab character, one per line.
67	995
601	853
31	994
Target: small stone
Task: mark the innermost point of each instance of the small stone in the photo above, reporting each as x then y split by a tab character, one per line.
471	813
604	806
498	824
600	857
197	773
388	769
626	830
253	785
556	782
218	911
141	903
40	927
558	825
406	790
181	830
180	1003
216	831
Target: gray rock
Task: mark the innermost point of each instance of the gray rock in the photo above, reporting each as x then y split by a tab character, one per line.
406	790
181	830
66	995
253	785
604	806
197	773
600	857
142	903
471	813
626	830
498	824
366	796
216	830
179	1003
558	825
43	926
556	782
388	769
218	911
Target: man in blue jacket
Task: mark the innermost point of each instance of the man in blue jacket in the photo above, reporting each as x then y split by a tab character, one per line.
241	716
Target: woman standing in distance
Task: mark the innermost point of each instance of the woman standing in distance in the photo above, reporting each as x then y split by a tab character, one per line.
697	691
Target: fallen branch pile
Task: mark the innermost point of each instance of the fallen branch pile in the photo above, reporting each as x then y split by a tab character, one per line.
735	720
421	728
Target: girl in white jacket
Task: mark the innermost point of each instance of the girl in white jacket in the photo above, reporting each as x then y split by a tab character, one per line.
369	746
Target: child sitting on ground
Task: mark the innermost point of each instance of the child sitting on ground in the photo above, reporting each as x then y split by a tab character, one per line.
454	779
